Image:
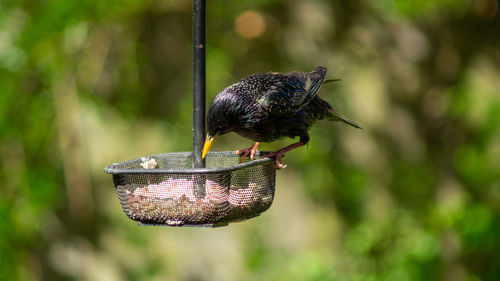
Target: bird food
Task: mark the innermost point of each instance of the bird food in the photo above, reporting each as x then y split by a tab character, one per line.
163	189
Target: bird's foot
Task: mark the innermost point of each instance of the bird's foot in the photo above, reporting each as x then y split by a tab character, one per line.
278	155
250	150
278	165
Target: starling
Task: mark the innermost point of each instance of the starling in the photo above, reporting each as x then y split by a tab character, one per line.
268	106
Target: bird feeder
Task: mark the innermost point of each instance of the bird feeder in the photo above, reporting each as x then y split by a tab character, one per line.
181	188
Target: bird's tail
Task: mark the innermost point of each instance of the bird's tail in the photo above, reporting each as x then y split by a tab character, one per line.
332	80
339	117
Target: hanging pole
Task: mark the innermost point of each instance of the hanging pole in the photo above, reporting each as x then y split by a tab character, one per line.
198	82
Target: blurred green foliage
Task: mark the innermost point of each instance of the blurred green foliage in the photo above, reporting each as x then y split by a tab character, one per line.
414	196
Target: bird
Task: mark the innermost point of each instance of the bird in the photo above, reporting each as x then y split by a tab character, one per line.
269	106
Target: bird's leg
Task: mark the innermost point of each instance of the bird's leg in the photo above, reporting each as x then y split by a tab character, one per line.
250	150
304	139
279	153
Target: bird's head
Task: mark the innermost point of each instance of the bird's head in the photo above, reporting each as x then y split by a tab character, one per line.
223	114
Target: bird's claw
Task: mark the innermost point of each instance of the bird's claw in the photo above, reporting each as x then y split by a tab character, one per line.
245	153
278	165
250	150
276	154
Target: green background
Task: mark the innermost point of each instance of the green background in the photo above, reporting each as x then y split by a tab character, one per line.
413	196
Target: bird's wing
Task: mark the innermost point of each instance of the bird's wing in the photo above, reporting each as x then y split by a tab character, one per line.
288	95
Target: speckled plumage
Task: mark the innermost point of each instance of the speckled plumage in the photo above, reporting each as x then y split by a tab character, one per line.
265	107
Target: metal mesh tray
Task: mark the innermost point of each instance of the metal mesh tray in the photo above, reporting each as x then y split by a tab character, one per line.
163	189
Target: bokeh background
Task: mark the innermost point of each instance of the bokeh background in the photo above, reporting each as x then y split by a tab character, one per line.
413	196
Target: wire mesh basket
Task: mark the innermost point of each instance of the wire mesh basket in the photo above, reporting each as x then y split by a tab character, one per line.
163	189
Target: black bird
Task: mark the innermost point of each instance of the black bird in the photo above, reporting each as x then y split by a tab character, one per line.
268	106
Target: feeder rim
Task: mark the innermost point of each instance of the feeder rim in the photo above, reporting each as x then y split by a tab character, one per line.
111	169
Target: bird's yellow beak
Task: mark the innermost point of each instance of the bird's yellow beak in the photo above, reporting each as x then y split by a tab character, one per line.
208	143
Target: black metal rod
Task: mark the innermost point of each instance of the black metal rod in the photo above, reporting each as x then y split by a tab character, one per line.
198	82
